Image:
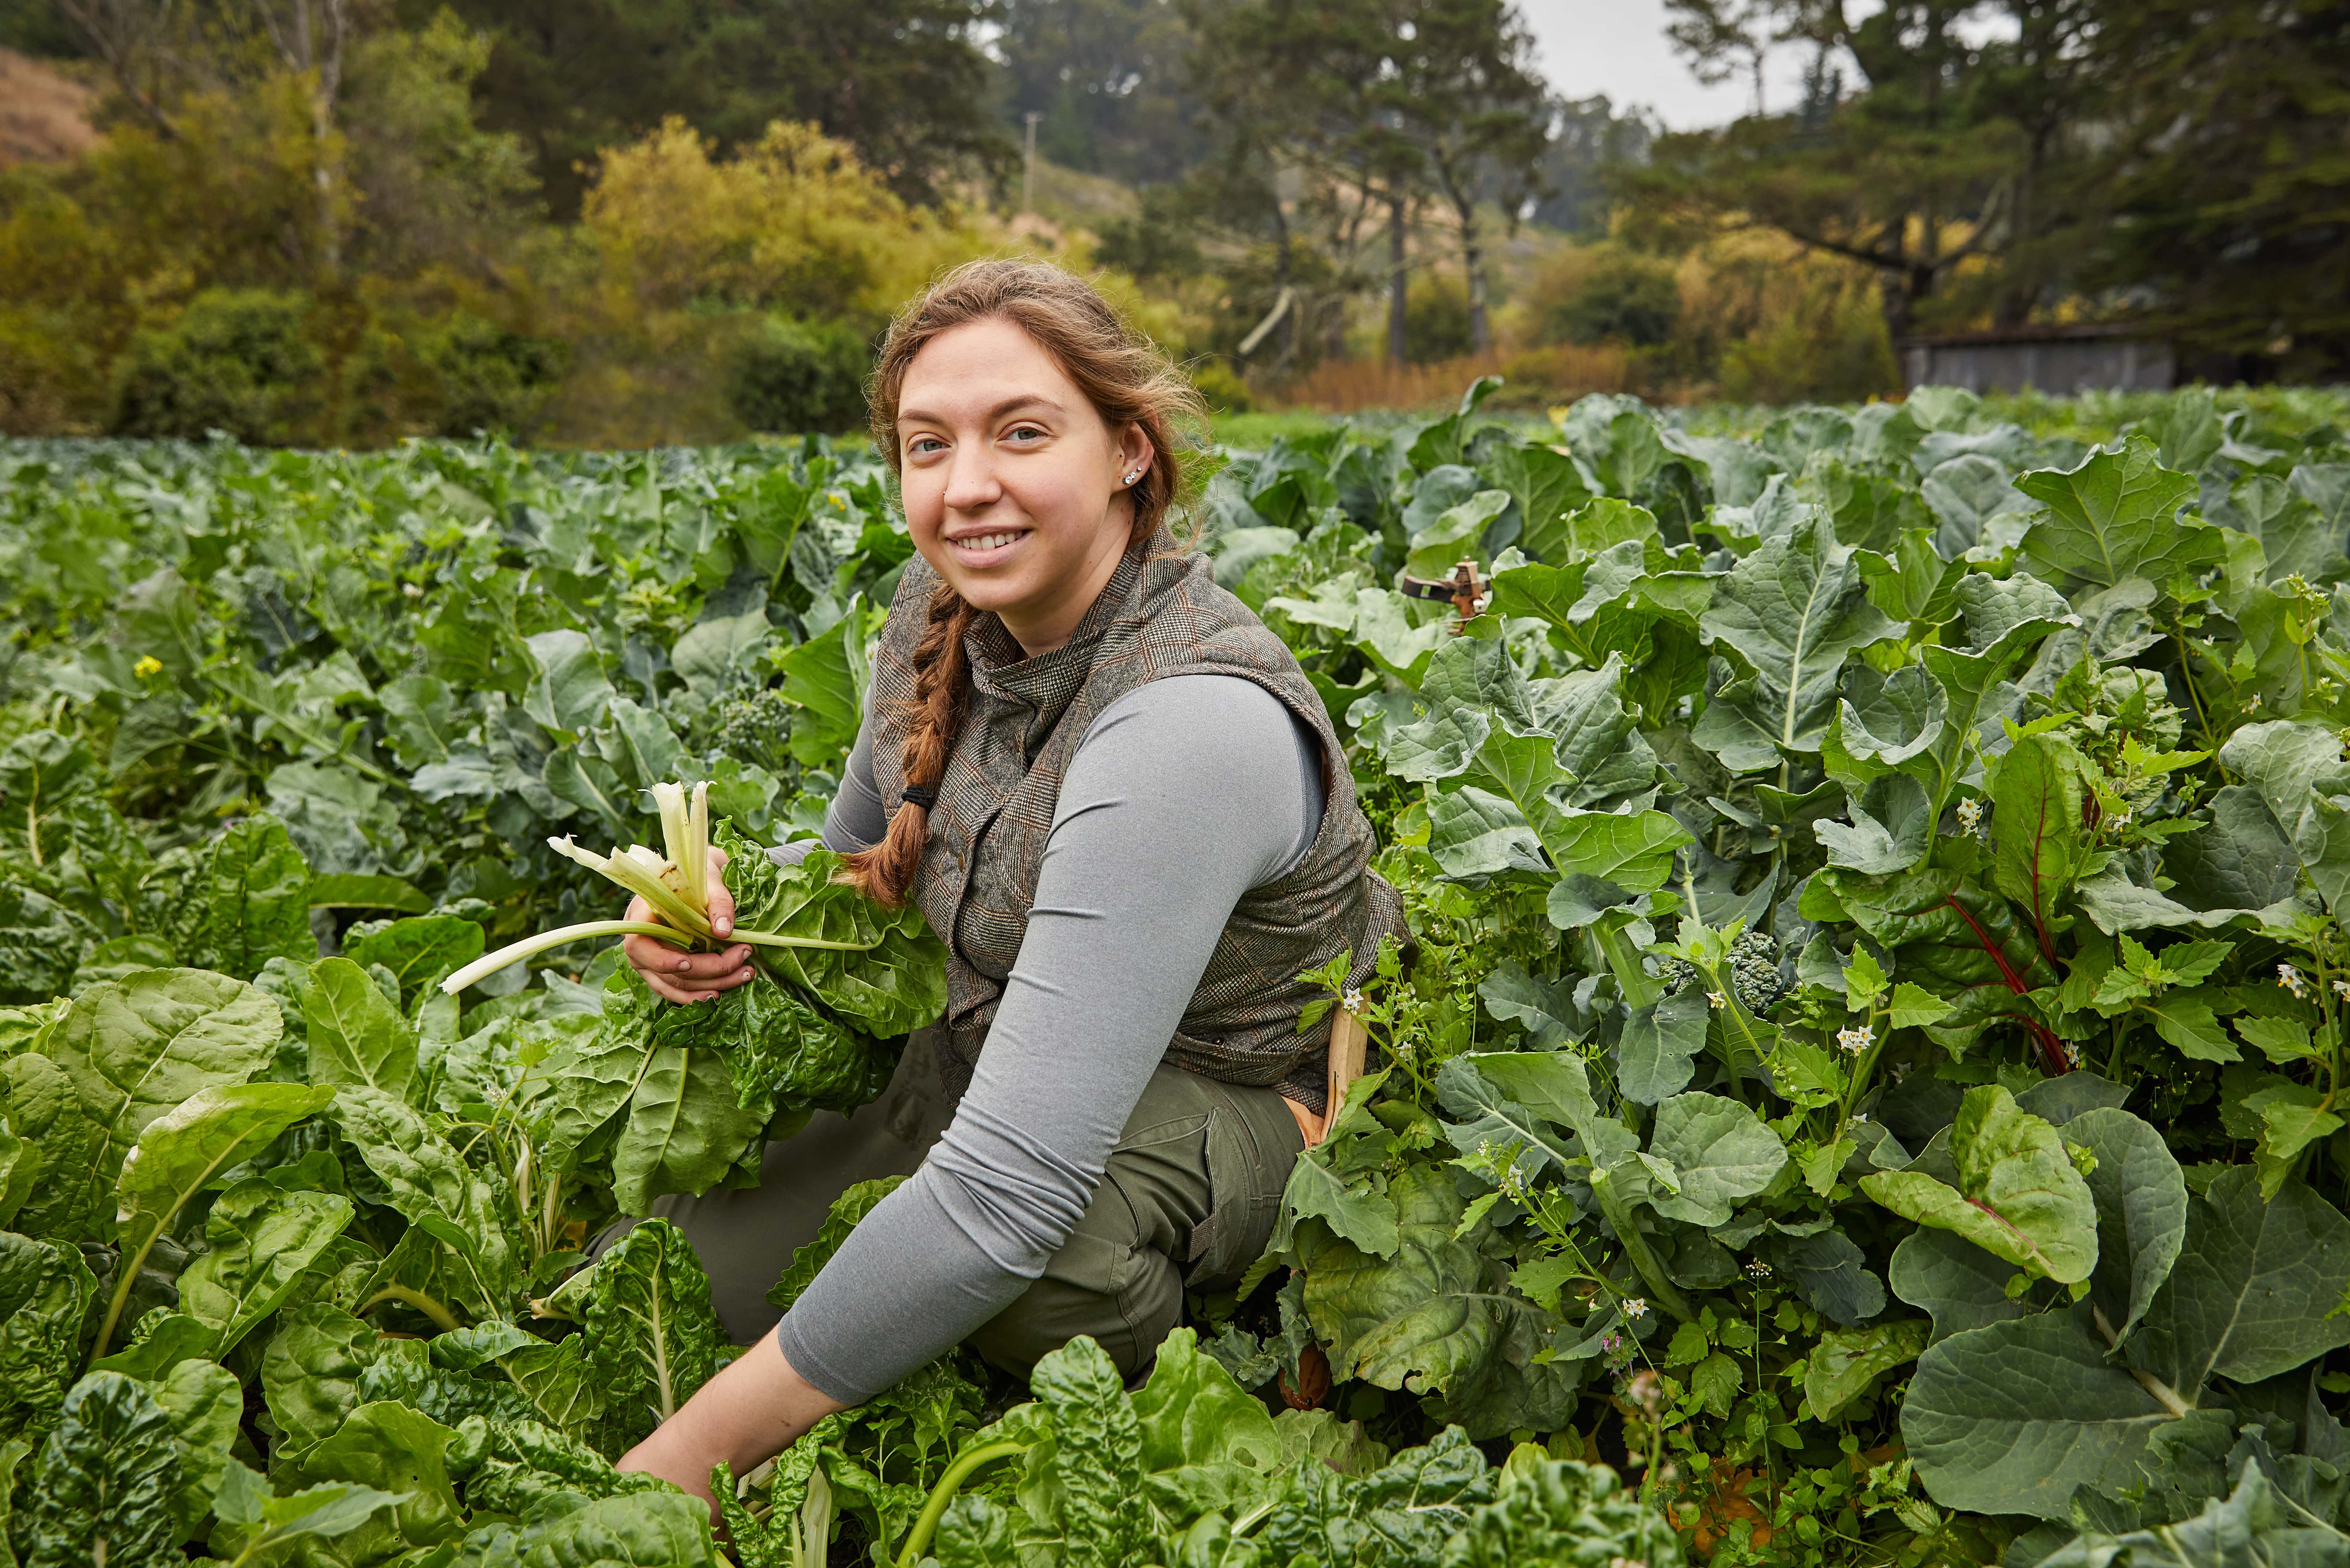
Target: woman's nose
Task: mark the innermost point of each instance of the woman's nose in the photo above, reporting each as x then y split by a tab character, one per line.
971	482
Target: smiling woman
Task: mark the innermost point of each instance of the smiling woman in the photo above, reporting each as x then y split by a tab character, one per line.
1119	800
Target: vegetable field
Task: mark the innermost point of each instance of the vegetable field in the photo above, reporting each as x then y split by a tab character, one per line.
1865	1089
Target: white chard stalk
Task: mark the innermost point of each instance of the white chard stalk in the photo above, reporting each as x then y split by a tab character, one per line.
676	887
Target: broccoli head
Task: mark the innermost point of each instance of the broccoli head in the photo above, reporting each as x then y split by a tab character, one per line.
1754	971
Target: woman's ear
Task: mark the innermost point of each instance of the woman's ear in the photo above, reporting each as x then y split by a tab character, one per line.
1135	452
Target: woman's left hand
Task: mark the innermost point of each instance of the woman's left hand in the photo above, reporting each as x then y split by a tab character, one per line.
745	1415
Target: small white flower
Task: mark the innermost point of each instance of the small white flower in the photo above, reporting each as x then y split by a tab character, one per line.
1719	1000
1969	816
412	590
2342	989
2255	703
1859	1119
2121	820
1758	1270
1513	1182
1857	1039
2293	980
1635	1307
1353	1002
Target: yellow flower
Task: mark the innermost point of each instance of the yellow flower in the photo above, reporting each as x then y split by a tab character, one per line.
148	665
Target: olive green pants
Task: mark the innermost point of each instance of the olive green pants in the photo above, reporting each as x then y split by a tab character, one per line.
1188	1201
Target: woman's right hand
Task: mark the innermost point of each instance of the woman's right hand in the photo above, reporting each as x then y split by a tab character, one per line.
689	977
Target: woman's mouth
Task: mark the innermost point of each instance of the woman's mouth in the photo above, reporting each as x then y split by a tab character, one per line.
987	549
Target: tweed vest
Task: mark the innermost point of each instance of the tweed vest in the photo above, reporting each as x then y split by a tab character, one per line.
1161	614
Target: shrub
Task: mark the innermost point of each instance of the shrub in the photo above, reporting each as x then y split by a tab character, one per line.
792	376
1435	319
236	360
1605	294
1225	392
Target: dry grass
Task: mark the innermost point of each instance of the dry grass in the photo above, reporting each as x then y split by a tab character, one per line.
1530	379
43	117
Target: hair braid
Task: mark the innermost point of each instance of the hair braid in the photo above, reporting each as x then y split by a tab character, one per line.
885	873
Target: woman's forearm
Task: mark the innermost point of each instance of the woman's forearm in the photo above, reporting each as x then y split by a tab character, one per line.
749	1412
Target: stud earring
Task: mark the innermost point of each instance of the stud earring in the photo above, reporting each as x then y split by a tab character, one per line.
1132	477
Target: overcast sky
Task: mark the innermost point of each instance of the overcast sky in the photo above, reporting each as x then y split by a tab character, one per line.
1619	48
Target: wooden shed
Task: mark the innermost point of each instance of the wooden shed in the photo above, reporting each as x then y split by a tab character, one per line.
2056	359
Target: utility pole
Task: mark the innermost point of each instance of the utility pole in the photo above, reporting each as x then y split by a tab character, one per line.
1028	166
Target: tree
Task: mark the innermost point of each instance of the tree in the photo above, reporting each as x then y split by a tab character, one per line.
1460	92
2221	194
1914	175
902	81
1109	78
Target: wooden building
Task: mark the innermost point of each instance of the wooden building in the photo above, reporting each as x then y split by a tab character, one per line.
2053	359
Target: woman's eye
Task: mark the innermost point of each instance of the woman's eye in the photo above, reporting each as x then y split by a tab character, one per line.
922	446
1024	432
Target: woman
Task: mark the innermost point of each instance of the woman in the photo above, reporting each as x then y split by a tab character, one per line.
1120	801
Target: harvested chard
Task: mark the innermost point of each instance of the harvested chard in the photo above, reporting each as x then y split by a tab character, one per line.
675	886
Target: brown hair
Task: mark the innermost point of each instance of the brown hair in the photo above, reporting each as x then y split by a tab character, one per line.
1128	380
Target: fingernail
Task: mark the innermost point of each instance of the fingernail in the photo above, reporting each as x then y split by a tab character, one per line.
744	975
721	925
681	966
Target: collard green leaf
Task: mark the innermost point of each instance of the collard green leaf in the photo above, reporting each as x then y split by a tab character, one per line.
2018	1194
2011	1419
1656	1055
1957	1283
2141	1199
2114	518
1720	1152
2251	1292
1791	612
1483	1117
652	1337
823	680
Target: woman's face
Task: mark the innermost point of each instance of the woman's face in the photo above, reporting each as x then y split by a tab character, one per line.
1015	487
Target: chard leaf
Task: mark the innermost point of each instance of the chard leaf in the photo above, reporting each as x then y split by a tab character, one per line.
356	1033
436	1191
2018	1194
138	1047
847	1210
239	900
179	1154
260	1241
45	1294
102	1487
653	1338
387	1446
420	951
1098	1454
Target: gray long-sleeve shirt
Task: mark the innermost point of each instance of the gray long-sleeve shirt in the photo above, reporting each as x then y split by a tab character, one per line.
1183	795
